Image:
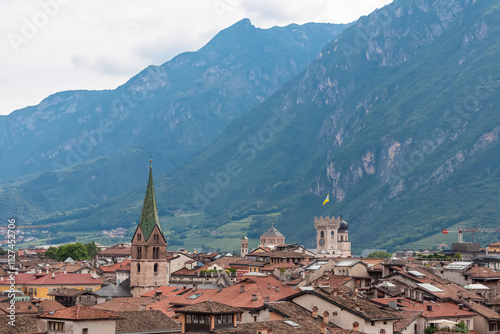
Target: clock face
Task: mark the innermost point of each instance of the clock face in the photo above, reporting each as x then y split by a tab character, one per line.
321	242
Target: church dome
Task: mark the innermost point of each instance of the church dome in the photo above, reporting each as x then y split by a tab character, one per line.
343	225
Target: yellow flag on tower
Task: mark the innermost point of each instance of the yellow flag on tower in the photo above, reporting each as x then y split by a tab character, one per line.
327	199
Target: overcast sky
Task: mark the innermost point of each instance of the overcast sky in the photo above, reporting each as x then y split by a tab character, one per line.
49	46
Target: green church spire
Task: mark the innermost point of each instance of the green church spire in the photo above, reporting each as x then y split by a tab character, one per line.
149	214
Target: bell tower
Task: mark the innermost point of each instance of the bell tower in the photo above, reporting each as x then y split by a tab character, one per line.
332	237
148	268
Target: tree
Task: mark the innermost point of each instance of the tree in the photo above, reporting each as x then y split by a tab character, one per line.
461	328
92	249
380	254
76	251
51	253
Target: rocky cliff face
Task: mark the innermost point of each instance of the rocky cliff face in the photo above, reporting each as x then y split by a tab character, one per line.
97	138
392	119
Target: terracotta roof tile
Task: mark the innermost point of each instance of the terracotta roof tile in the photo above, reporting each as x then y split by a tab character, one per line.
165	291
125	304
408	318
209	307
57	279
483	272
439	310
145	321
80	312
293	313
30	307
24	324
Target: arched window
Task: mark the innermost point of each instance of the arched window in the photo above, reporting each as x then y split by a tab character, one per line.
333	234
139	237
138	267
322	234
155	268
139	252
341	238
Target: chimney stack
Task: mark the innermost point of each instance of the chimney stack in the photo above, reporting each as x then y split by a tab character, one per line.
277	288
269	286
315	312
40	309
254	297
323	328
325	317
242	289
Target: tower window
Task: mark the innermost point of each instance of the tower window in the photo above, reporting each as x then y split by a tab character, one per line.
322	234
333	234
155	268
139	237
139	252
138	267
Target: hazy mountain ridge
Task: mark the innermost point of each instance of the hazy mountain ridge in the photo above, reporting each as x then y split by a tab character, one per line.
396	119
171	111
376	127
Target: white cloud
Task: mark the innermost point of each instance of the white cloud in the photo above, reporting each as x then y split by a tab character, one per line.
95	44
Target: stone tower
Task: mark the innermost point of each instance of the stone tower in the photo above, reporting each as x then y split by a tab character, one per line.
244	246
332	237
148	268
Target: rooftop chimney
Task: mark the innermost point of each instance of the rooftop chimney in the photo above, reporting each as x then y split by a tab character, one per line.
277	288
242	288
315	312
254	297
142	307
323	328
40	309
325	317
195	287
269	285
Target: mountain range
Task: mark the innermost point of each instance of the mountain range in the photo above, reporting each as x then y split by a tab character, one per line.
395	118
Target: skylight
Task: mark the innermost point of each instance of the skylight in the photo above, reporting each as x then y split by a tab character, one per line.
291	323
194	296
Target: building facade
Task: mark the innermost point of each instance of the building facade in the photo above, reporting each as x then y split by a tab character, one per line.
271	238
332	237
148	265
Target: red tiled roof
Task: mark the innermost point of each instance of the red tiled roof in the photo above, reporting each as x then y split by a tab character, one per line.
125	304
80	312
56	279
260	286
165	291
125	265
439	310
30	307
483	272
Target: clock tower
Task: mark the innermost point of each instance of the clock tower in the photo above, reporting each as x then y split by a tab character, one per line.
332	237
148	265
